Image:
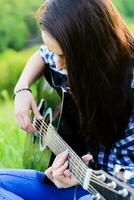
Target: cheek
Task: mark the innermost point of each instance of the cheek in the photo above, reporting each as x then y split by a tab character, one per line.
64	63
59	61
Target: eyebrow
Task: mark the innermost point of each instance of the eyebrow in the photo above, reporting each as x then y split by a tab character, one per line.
60	55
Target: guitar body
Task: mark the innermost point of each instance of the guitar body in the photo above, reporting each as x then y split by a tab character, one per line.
33	156
59	106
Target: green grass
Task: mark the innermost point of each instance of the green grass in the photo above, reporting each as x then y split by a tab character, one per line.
11	138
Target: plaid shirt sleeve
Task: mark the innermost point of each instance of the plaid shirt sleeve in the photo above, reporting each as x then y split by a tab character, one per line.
47	55
122	154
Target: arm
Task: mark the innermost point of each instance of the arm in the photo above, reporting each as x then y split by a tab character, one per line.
24	100
32	71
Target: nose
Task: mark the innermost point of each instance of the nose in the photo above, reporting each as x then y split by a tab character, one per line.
59	62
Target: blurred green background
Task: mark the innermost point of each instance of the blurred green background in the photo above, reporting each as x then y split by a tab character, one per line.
19	38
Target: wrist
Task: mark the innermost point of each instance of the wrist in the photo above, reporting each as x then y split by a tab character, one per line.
16	91
20	86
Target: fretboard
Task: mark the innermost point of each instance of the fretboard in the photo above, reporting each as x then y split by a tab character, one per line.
58	145
86	177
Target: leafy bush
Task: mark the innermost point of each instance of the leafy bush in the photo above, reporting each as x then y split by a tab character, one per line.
18	28
126	7
11	65
17	23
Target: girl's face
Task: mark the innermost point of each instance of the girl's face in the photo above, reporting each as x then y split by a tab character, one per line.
53	46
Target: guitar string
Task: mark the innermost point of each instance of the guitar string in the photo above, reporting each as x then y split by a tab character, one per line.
101	183
62	105
76	159
70	153
80	160
94	180
94	176
110	189
92	190
62	141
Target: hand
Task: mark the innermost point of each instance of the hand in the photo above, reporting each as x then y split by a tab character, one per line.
59	174
24	103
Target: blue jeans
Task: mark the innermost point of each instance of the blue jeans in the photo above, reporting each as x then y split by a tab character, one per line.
17	184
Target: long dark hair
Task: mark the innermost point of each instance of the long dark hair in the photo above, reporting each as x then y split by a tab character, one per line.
98	49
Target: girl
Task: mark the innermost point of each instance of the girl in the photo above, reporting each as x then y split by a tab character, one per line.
90	51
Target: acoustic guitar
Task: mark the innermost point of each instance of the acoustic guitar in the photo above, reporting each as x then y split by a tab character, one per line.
100	184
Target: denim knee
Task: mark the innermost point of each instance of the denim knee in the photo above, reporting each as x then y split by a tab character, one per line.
6	195
86	197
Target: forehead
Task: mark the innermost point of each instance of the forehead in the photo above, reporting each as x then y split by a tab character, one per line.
51	43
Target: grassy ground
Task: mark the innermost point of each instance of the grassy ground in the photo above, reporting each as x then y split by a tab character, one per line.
11	138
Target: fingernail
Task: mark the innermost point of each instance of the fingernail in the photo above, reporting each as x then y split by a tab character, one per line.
88	157
66	151
66	163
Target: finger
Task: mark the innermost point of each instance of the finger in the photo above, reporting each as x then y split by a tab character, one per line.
74	181
60	171
60	155
35	109
86	158
48	173
67	172
28	124
25	121
59	161
65	182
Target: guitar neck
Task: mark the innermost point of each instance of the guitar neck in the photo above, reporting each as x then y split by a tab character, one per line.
79	169
58	145
86	177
